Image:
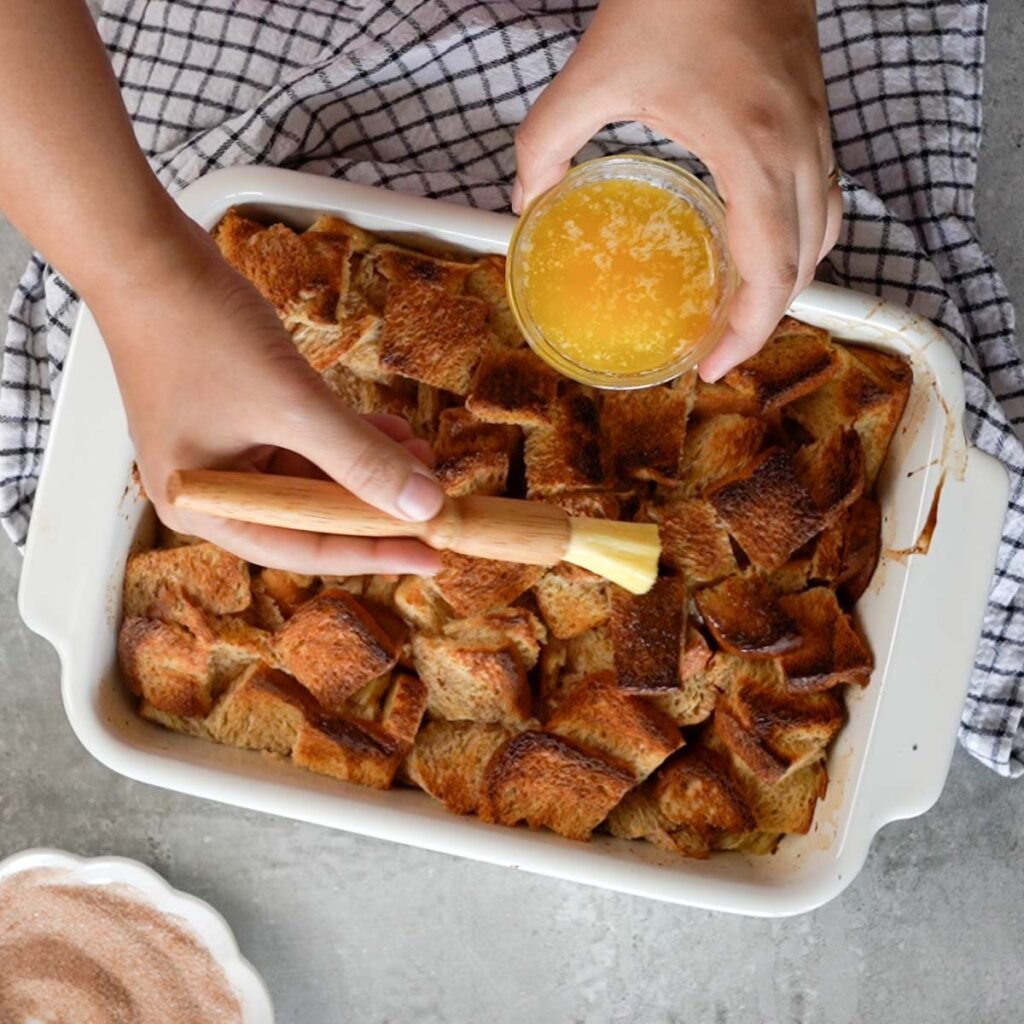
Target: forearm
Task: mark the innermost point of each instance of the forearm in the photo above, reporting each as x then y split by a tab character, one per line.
72	177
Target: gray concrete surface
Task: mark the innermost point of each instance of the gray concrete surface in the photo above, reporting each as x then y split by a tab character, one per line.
348	929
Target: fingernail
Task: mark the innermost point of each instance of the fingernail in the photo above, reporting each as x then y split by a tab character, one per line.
421	497
517	196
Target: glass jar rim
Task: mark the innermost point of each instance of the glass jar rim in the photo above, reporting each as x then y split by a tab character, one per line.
690	189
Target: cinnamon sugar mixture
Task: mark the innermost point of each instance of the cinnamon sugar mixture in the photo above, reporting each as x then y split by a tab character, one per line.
99	954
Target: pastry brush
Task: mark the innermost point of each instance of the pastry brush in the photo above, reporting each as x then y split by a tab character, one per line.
503	529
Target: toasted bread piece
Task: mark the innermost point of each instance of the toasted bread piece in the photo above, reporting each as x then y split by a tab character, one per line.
570	605
693	702
696	654
870	399
263	709
367	701
403	710
404	266
418	602
368	287
449	760
431	402
756	842
513	386
289	590
264	610
235	645
474	585
302	276
862	545
176	723
564	663
649	633
367	396
361	752
832	471
379	589
165	664
826	562
473	679
597	715
832	653
364	346
745	617
327	224
786	806
771	729
548	782
636	816
717	448
552	685
699	789
332	346
719	399
334	646
645	431
433	336
475	473
460	433
487	282
796	360
590	652
216	581
767	509
566	456
694	540
516	625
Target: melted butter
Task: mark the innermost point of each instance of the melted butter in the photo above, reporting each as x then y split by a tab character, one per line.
621	276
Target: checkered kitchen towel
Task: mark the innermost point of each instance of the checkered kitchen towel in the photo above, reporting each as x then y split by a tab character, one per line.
424	96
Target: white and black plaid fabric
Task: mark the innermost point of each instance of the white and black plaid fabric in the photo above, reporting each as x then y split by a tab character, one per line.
424	96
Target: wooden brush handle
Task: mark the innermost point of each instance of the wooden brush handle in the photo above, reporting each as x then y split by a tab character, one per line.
504	529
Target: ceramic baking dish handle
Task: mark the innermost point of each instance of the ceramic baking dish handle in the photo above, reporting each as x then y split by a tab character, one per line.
943	605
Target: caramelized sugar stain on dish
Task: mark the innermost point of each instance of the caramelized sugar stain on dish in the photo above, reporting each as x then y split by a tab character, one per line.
97	954
697	716
620	275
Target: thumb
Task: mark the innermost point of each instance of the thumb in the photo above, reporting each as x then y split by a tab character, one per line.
362	458
560	123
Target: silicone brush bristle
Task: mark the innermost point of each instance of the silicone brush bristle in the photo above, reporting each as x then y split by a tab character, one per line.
625	553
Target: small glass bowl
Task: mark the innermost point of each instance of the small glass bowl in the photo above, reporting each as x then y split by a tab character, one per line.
654	172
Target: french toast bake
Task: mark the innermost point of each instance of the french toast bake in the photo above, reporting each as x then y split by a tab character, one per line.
696	716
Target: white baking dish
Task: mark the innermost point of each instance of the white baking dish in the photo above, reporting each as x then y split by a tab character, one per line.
205	923
922	613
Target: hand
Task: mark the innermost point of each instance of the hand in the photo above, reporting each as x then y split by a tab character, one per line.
739	84
210	378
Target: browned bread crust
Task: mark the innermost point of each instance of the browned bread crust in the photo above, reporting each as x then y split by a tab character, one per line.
334	646
549	782
649	634
216	581
767	509
513	386
449	761
433	336
796	360
598	715
474	585
567	455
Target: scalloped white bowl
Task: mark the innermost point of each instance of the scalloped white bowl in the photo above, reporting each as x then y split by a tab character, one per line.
196	915
922	613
